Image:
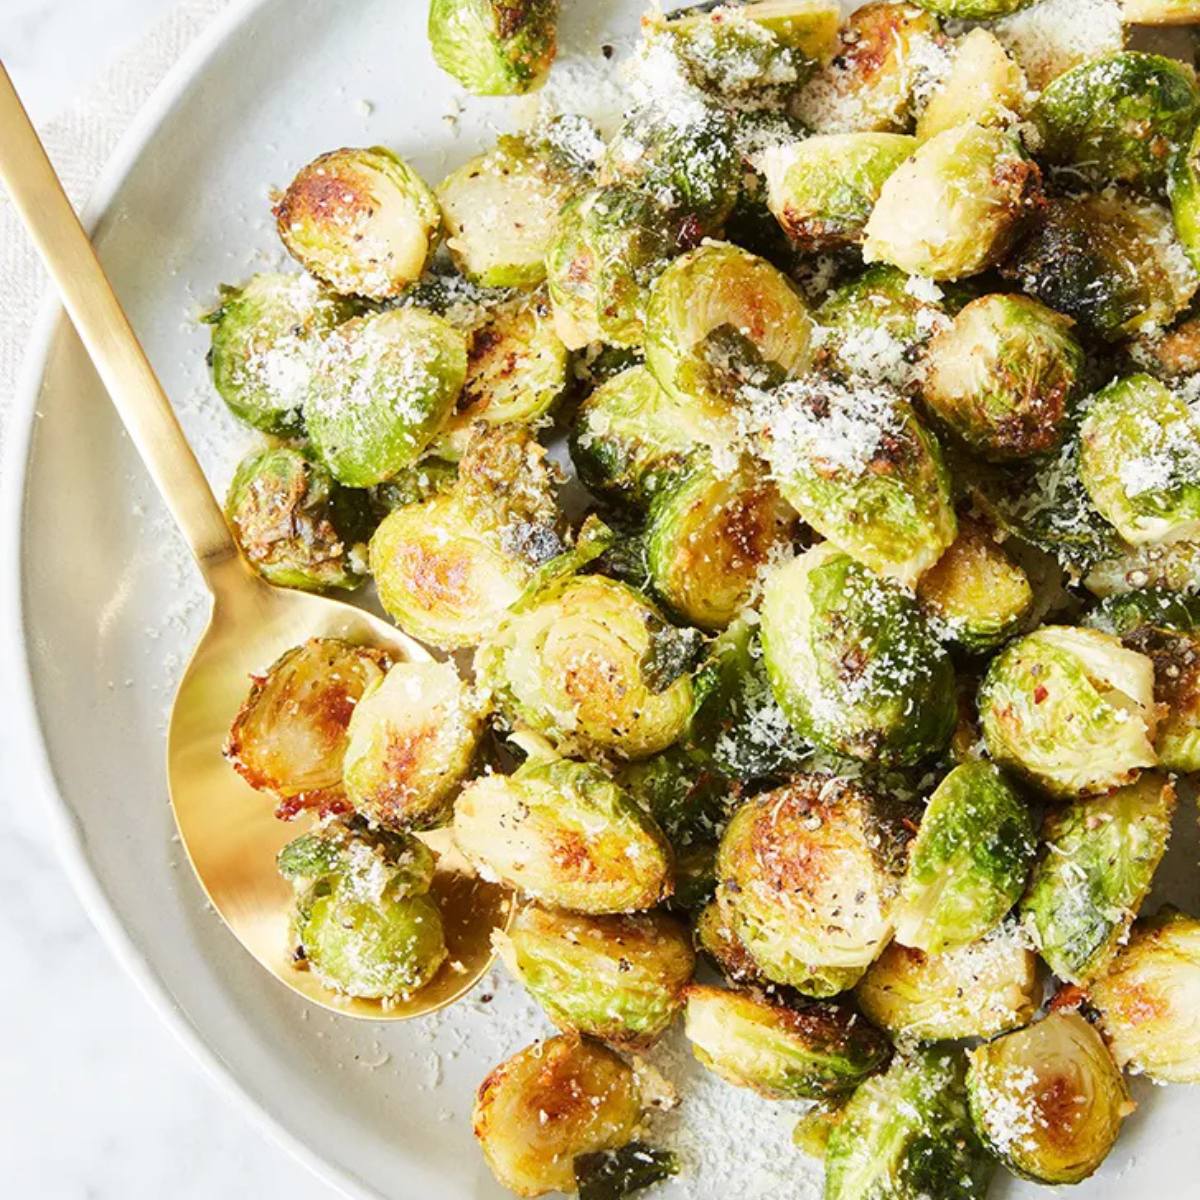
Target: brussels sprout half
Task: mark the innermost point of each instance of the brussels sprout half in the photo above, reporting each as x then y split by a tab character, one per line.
956	206
708	538
1003	375
808	875
852	661
563	833
631	436
973	10
1140	461
858	466
977	990
822	190
548	1104
907	1135
265	338
1183	187
1071	710
977	595
591	663
783	1052
1048	1100
289	737
984	86
968	863
361	220
294	525
720	318
383	387
1118	119
1161	12
616	978
1173	567
1149	1002
494	47
1109	261
1096	872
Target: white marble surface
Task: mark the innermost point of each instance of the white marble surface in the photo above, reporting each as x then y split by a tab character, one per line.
97	1100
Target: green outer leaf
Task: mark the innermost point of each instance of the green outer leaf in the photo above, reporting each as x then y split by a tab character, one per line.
612	1174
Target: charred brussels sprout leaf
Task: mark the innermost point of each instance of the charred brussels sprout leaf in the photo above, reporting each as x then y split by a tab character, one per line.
616	978
984	85
907	1133
822	190
808	875
1149	1001
361	220
494	47
563	833
612	1174
290	737
1100	862
1003	376
1048	1100
265	338
853	662
536	1113
296	527
1071	710
1118	119
978	990
383	387
809	1052
1140	461
956	206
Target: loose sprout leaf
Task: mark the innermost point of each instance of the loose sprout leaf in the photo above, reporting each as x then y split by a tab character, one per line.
612	1174
672	653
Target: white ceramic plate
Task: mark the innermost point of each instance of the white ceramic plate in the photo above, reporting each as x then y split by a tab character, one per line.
106	604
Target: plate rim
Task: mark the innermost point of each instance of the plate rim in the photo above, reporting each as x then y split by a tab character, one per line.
26	728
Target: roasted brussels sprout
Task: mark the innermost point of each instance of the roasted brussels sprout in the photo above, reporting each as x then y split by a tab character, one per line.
616	978
294	525
808	875
591	663
1048	1100
382	388
265	338
494	47
746	48
631	436
1003	375
1183	186
783	1052
875	326
361	220
1166	629
563	833
973	10
977	990
1071	710
1148	1000
1173	567
908	1134
717	941
984	85
852	661
1109	261
363	924
822	189
976	593
956	206
1161	12
1140	461
289	737
858	466
1118	119
500	209
720	318
545	1106
413	736
968	864
609	246
1100	860
709	536
884	56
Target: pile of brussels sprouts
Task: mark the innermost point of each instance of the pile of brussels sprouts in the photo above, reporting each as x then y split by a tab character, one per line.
863	657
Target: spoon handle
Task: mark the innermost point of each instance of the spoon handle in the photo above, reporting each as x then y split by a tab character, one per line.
105	331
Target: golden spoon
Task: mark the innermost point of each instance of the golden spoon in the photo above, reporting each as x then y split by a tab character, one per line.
228	829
